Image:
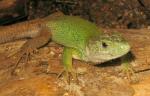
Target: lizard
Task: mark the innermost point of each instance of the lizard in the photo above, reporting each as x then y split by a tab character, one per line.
81	39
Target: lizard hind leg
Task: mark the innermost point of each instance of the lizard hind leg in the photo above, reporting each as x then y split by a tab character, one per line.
31	46
23	55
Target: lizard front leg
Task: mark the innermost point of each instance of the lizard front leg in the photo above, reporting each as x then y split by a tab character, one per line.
33	44
67	63
127	68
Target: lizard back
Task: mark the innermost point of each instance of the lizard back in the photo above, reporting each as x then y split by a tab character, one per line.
72	31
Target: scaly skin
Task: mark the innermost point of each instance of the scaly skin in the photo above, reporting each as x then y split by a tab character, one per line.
81	39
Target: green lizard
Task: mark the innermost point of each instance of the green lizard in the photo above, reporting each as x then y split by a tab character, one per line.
81	39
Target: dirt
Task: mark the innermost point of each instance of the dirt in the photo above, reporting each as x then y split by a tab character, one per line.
38	76
143	87
106	13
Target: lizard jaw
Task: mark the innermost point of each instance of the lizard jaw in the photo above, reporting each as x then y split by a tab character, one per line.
103	56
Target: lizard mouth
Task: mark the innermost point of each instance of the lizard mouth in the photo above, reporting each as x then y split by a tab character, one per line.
101	57
97	59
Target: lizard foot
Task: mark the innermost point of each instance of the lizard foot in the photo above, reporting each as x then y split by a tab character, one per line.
69	76
127	68
24	54
129	72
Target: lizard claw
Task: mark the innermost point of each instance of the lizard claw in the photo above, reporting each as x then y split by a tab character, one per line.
69	76
23	54
128	70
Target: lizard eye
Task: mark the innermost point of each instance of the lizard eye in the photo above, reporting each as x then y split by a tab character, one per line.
104	45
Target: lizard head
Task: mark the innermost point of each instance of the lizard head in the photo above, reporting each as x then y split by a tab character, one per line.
106	47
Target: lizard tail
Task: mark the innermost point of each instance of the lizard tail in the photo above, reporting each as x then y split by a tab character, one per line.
28	29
